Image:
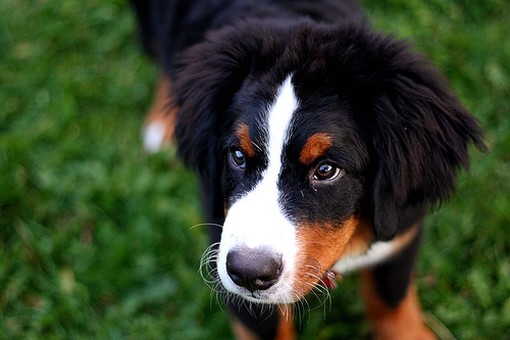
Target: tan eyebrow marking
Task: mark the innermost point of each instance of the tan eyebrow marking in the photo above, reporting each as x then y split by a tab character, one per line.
243	133
315	146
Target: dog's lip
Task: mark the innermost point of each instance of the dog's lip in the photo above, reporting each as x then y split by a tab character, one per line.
330	279
258	297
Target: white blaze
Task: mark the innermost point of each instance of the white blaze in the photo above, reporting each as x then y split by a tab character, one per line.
256	220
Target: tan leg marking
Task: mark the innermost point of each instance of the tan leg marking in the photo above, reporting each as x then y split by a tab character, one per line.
402	322
285	330
241	332
160	122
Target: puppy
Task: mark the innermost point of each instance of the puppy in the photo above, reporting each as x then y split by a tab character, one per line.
319	145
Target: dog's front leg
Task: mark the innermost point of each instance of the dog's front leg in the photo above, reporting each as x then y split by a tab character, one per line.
159	125
257	324
391	299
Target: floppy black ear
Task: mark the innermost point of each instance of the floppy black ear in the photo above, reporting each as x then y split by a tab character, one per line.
420	134
209	74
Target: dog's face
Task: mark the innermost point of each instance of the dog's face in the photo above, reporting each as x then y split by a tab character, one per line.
293	182
313	141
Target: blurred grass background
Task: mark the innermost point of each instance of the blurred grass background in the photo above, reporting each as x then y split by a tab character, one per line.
95	238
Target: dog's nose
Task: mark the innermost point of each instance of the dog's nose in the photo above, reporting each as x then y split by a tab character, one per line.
254	269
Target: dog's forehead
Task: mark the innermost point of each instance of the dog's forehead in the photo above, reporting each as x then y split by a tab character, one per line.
282	121
264	120
302	130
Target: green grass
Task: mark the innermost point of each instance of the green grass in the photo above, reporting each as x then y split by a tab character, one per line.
95	238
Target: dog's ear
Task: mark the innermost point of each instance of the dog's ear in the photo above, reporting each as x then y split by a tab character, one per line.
208	76
420	136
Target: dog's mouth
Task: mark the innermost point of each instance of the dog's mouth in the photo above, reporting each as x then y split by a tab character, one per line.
286	292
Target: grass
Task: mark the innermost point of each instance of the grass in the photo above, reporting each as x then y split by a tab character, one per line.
95	237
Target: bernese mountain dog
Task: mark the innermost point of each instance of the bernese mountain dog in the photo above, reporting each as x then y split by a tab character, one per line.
319	145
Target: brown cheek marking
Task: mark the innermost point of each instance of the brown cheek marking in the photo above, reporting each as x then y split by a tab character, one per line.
360	241
162	110
402	322
315	146
320	246
243	133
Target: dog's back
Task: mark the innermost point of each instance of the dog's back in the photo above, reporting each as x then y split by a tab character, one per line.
162	23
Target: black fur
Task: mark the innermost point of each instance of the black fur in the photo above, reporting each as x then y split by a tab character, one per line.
404	134
416	131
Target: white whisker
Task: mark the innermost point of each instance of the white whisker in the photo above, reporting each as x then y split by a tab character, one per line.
206	224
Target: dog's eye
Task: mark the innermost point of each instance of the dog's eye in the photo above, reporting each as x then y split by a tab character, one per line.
237	159
327	172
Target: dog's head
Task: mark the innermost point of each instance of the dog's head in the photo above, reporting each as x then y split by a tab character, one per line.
319	137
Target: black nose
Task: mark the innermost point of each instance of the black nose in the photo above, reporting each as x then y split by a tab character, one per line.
254	269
